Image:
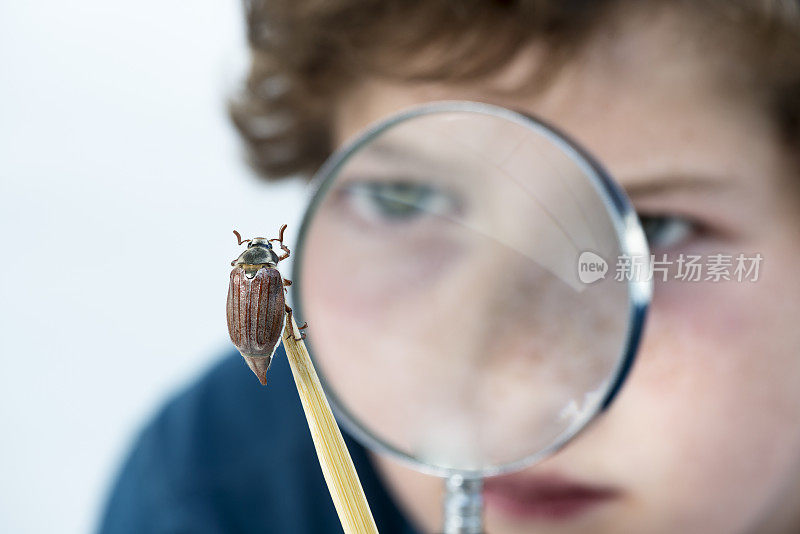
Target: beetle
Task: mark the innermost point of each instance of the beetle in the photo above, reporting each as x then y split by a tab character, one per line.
256	307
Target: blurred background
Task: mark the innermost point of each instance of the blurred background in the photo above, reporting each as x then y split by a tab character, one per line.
120	182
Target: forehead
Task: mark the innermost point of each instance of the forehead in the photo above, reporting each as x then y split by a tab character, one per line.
639	92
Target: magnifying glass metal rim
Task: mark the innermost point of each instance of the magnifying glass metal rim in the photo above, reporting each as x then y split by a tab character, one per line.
632	243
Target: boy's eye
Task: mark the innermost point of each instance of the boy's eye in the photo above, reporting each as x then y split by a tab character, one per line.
397	201
666	231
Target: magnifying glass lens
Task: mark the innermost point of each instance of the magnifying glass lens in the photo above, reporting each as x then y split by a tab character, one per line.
457	269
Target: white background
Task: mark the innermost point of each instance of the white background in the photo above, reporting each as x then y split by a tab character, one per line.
120	183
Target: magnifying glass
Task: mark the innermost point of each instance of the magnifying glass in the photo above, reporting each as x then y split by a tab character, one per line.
458	263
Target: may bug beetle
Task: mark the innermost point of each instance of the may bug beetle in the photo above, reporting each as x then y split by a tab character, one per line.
256	306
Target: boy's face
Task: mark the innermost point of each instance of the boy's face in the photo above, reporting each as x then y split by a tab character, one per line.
704	437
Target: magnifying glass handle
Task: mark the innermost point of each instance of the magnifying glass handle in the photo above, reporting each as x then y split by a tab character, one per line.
463	505
334	459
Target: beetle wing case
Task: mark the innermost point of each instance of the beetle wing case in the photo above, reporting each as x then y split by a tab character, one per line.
256	316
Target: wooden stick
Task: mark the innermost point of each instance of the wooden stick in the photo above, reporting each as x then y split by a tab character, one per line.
337	466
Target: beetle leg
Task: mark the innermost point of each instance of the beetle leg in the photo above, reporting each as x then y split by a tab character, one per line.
301	328
280	241
288	316
286	250
239	238
287	282
289	322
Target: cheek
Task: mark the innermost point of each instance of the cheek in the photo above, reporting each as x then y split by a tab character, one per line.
451	354
717	386
379	336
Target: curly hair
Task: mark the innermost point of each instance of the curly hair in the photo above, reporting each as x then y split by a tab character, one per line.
305	53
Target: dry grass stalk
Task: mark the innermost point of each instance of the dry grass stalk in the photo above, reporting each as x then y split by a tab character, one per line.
337	467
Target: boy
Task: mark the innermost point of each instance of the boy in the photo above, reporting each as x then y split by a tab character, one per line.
694	107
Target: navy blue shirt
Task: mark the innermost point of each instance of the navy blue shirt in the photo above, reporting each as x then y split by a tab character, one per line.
231	456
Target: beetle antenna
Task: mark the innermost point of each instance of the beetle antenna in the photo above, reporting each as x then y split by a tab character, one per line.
239	238
280	234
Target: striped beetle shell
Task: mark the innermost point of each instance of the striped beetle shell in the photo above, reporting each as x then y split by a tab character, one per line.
256	306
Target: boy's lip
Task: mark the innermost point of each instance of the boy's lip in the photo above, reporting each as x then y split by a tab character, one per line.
546	496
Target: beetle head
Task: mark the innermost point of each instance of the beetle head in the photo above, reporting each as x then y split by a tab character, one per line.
260	242
259	252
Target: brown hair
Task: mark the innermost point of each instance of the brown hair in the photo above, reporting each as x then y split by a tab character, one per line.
307	52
